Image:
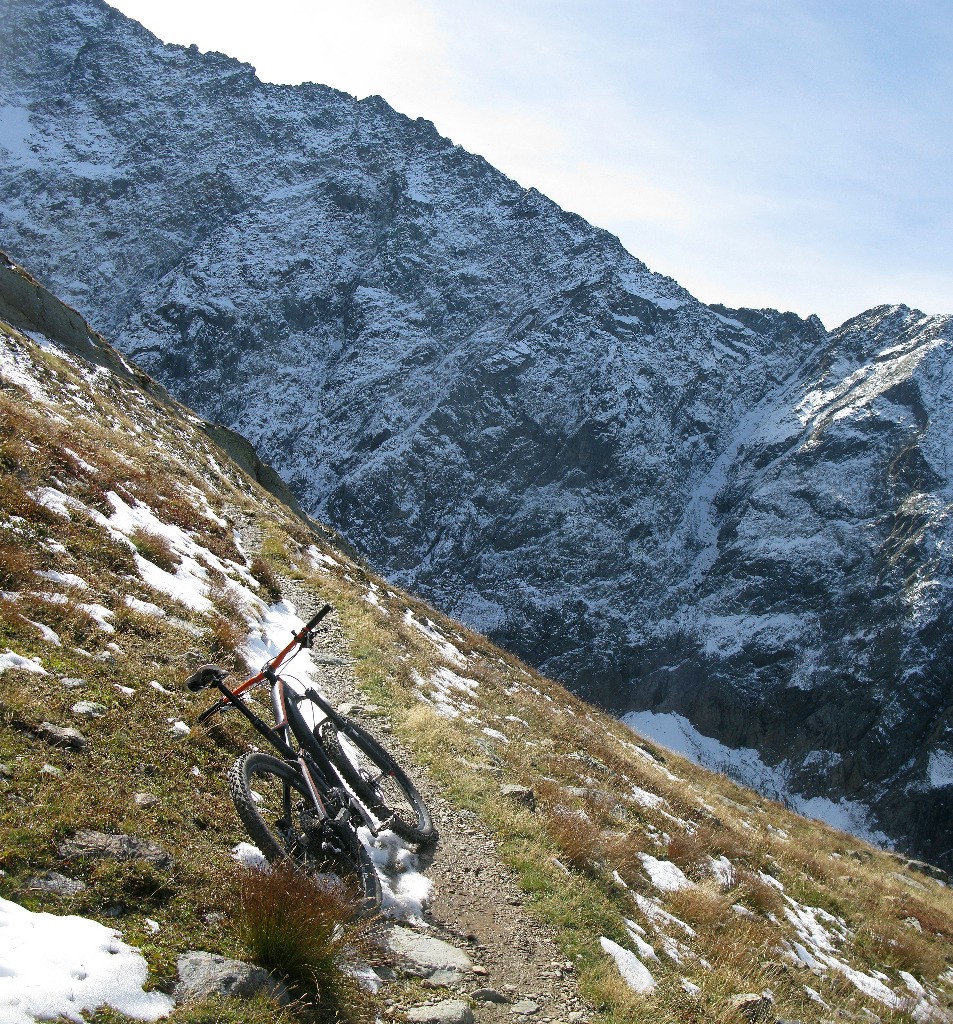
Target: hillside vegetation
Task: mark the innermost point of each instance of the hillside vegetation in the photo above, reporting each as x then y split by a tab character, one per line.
132	548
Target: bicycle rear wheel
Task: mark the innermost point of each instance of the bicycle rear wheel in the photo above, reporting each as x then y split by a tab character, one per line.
377	780
274	804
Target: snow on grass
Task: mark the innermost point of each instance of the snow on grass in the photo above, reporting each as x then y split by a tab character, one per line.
659	916
445	686
17	367
634	973
636	933
189	584
49	635
67	579
723	871
53	966
645	799
443	645
101	614
664	874
12	660
143	607
58	502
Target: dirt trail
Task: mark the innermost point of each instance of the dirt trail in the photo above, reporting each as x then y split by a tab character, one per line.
475	904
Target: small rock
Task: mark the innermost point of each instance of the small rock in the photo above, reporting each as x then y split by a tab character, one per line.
348	709
202	975
525	1007
61	736
478	970
753	1006
48	769
54	882
521	795
448	1011
73	683
576	1017
6	771
912	922
89	709
426	957
146	799
489	995
921	867
100	846
329	659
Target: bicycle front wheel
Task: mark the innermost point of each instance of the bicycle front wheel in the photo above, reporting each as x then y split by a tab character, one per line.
377	780
276	808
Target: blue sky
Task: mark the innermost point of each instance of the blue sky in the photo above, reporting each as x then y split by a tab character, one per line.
785	153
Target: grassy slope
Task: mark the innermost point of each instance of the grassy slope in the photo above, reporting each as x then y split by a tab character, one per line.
97	433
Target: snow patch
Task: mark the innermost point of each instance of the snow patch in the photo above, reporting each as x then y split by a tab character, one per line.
634	973
12	660
53	966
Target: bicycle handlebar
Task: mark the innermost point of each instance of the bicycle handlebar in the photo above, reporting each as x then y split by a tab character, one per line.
211	675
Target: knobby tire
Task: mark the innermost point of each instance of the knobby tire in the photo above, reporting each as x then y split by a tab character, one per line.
284	825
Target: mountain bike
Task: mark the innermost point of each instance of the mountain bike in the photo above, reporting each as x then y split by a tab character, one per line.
331	779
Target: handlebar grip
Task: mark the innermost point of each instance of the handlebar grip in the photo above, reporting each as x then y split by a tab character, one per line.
316	619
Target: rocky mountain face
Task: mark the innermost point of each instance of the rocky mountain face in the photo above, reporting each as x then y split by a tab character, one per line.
729	515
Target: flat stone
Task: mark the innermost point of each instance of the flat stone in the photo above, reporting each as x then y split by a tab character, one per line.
489	995
525	1007
73	683
5	771
61	736
54	882
448	1011
101	846
89	709
146	799
521	795
202	975
425	957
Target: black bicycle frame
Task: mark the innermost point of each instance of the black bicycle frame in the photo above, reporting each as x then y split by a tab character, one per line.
312	756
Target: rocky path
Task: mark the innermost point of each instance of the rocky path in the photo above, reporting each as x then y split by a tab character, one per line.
515	968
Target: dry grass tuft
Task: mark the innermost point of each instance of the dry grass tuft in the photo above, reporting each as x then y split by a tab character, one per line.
156	549
303	929
757	894
16	563
703	906
266	576
578	837
691	850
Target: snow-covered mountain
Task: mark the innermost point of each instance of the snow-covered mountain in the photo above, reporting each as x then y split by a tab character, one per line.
732	516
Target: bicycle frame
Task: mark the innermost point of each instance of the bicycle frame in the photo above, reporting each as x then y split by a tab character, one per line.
310	757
